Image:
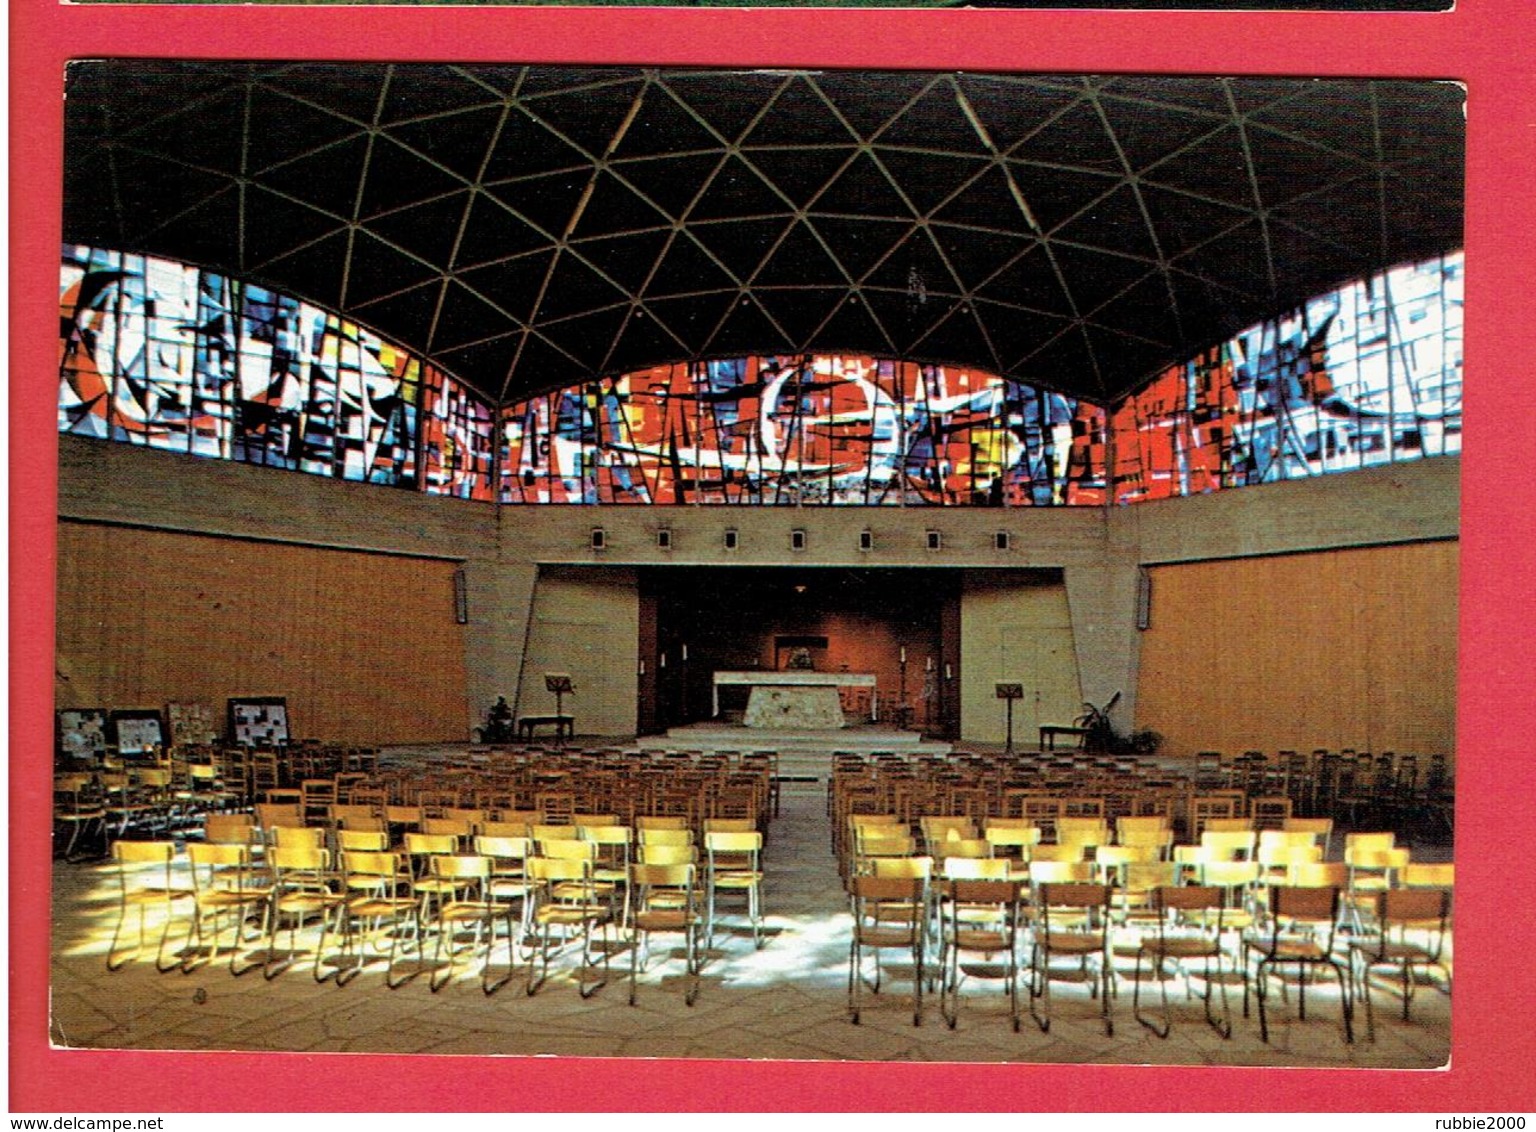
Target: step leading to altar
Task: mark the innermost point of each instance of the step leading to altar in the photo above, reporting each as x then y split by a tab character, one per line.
805	754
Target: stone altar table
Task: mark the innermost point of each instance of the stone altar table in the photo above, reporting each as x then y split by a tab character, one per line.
795	699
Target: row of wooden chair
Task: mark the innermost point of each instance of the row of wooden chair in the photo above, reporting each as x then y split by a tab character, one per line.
534	894
1055	914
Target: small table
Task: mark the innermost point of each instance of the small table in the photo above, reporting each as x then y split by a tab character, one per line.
564	725
1048	734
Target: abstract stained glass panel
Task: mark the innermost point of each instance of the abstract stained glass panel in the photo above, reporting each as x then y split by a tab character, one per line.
804	430
1366	375
186	359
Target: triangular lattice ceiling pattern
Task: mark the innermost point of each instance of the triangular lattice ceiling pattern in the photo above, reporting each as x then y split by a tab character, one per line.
527	227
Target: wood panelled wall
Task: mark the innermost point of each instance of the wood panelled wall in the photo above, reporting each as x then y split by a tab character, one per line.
1348	648
364	646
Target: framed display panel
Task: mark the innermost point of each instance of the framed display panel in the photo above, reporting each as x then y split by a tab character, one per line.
191	723
136	732
258	721
81	732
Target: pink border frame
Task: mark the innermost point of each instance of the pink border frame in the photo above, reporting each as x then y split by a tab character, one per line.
1483	43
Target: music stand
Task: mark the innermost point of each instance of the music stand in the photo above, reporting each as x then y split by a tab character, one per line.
1010	692
559	683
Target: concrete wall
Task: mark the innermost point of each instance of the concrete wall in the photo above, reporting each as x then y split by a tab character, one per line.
585	623
1015	628
507	554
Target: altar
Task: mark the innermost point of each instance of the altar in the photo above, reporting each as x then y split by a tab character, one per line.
795	699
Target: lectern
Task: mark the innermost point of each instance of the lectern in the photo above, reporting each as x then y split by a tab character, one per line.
1010	692
559	683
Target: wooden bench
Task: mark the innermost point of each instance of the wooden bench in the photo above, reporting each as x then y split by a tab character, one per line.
1049	734
564	725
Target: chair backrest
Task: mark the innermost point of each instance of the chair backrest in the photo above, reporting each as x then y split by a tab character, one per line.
1189	898
936	829
1153	823
1413	907
902	868
217	855
1369	858
270	814
608	833
1304	904
887	888
567	848
660	821
981	890
1070	853
235	828
976	847
490	828
362	840
1234	824
430	844
730	825
523	820
1321	874
542	832
365	868
1368	841
1233	844
1074	894
1438	874
902	846
461	866
500	848
1284	856
976	868
300	859
1320	826
666	854
291	836
733	842
551	869
1082	831
650	875
1229	874
665	836
1288	838
1144	876
136	854
1060	872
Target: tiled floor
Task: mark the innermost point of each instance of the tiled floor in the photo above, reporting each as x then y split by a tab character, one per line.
786	1001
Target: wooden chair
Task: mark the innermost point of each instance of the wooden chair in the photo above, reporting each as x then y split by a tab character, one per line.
145	886
1071	922
889	913
665	899
1411	927
1190	927
1301	933
979	917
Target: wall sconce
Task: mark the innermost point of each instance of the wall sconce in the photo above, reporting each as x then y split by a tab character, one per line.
797	539
599	538
866	540
664	539
460	597
935	540
1002	541
730	539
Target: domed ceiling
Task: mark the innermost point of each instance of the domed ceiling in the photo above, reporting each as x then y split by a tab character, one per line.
525	227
